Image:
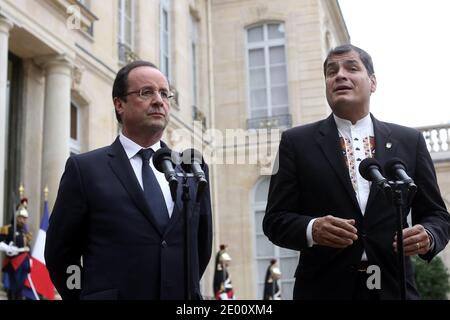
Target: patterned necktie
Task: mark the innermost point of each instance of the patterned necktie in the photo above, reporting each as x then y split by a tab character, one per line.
152	190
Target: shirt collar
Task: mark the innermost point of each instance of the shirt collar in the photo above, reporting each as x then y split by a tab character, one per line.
363	125
132	148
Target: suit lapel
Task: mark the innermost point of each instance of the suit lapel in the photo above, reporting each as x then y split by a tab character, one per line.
385	148
328	140
120	165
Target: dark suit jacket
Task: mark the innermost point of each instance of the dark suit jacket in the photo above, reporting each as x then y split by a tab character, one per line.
313	181
101	215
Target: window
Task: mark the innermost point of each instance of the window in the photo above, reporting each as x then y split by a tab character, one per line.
165	38
266	250
194	50
267	76
75	145
126	30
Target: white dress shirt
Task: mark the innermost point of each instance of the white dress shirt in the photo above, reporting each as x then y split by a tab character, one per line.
356	140
132	149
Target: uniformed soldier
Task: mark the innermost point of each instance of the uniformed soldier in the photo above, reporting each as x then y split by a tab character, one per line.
15	241
271	288
223	289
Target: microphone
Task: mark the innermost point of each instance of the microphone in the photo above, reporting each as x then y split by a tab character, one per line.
163	162
396	170
370	169
192	161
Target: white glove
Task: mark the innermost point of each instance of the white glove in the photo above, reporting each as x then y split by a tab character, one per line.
13	251
4	247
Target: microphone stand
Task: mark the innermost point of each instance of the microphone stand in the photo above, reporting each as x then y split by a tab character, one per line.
164	161
396	195
186	198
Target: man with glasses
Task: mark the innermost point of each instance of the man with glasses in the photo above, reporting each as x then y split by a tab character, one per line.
114	218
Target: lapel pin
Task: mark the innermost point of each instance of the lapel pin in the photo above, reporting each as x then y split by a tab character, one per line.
388	145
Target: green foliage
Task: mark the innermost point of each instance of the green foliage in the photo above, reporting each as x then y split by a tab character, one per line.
432	279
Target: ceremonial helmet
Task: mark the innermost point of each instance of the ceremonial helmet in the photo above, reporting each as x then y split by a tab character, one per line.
22	208
224	257
275	272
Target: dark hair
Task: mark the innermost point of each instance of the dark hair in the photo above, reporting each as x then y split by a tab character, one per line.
120	86
363	55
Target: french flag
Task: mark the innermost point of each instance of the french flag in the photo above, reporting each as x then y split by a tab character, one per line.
38	282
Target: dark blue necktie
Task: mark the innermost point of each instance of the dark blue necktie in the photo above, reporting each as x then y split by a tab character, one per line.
152	190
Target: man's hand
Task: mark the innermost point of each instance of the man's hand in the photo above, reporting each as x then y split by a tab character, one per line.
334	232
415	240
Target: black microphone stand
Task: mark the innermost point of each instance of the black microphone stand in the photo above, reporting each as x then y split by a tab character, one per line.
396	196
186	198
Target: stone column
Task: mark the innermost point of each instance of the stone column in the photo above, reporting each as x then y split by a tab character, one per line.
5	26
56	123
33	126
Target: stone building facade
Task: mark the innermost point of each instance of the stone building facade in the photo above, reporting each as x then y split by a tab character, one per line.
242	71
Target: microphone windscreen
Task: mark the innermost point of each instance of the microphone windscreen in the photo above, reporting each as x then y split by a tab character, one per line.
190	156
391	166
364	167
161	155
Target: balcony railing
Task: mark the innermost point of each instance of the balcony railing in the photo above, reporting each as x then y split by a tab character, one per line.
282	121
438	141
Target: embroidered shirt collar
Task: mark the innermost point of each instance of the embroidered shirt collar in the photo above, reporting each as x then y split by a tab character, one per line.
364	126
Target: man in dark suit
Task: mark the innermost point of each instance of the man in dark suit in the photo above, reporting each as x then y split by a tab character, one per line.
114	217
320	205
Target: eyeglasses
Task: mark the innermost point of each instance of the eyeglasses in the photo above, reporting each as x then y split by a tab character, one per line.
147	93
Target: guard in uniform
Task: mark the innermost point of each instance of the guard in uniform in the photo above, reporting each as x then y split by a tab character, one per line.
223	289
15	241
272	289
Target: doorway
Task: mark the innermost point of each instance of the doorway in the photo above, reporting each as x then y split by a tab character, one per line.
14	133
